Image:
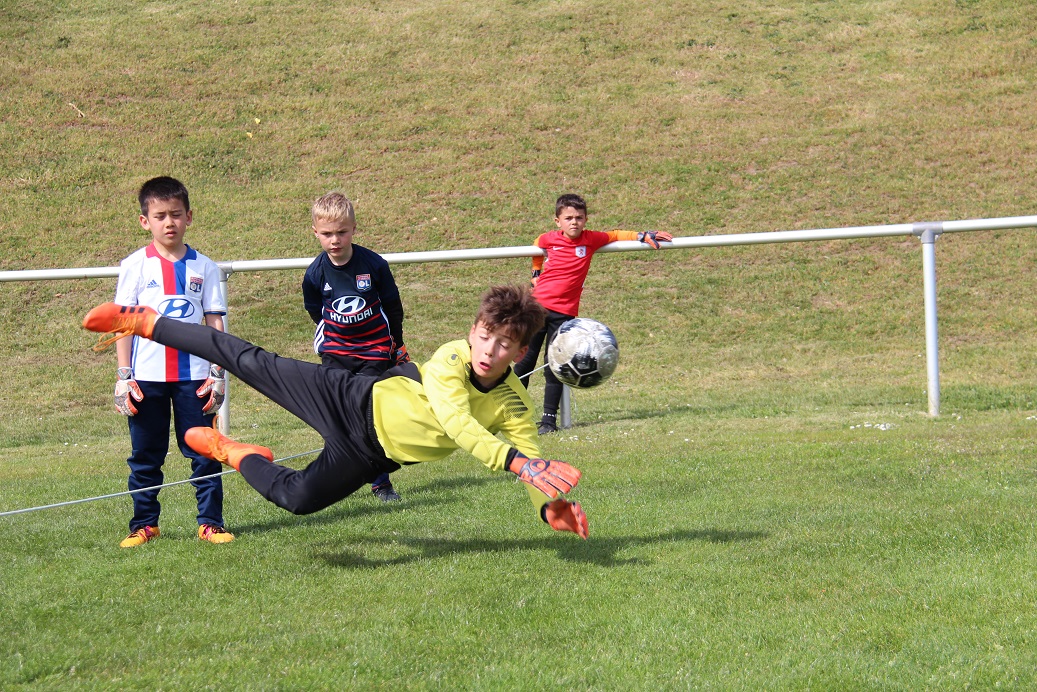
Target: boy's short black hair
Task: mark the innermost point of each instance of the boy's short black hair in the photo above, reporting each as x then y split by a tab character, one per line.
162	188
570	200
512	309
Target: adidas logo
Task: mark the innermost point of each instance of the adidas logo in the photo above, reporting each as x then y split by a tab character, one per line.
327	286
152	284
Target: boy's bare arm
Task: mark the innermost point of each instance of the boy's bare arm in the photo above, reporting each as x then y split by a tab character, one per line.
126	387
215	321
214	388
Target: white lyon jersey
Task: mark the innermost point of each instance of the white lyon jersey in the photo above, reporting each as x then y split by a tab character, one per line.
184	290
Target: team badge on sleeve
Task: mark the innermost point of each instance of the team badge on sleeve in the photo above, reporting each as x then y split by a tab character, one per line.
363	282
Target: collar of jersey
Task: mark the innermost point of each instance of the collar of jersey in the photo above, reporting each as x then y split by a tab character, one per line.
486	390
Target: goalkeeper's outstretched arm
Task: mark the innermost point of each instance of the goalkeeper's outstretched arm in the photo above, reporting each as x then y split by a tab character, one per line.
545	480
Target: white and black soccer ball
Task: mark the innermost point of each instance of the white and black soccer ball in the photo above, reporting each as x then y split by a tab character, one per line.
583	354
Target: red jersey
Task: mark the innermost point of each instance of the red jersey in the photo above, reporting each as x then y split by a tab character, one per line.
563	269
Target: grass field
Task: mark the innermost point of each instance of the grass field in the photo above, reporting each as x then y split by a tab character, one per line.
770	506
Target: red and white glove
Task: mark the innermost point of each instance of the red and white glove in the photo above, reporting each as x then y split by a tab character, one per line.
562	515
215	386
126	389
653	237
549	477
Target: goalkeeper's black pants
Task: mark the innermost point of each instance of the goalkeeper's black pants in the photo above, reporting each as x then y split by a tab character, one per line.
334	402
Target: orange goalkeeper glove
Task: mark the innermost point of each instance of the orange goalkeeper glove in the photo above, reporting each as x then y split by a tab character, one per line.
562	515
127	391
549	477
653	237
401	356
216	387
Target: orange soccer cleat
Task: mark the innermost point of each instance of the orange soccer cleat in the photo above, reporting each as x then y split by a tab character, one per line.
118	321
213	444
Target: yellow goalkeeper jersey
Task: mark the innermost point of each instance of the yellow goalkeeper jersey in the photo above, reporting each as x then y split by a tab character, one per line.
448	410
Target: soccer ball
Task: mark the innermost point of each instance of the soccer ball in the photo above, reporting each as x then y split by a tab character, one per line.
583	354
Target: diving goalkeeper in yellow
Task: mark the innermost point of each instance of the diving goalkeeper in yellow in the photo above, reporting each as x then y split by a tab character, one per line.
460	399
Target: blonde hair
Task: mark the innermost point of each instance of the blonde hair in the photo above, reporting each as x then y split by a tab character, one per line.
333	206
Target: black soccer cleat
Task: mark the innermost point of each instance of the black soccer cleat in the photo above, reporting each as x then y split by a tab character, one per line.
386	493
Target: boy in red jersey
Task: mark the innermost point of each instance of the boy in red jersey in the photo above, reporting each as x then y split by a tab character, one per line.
557	281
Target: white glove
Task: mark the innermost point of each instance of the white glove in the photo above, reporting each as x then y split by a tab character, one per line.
215	387
125	388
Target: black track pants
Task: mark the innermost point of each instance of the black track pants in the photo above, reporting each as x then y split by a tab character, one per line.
544	337
335	403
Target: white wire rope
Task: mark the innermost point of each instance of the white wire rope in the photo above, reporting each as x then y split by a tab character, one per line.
68	503
139	490
535	370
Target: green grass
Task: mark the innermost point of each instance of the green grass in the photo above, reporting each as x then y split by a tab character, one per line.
770	507
786	551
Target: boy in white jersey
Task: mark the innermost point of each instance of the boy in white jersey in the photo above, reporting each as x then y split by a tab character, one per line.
153	380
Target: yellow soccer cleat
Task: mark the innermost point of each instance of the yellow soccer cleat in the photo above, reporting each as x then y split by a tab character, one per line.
214	534
140	537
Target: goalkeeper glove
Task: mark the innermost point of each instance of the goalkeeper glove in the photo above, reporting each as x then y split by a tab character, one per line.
562	515
549	477
653	237
216	387
401	355
534	277
125	388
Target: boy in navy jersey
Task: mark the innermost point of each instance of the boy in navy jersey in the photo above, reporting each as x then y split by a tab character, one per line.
557	281
352	297
183	285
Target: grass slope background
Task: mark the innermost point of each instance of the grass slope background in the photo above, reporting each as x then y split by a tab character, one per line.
769	504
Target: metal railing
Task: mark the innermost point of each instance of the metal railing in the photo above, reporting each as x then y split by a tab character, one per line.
927	232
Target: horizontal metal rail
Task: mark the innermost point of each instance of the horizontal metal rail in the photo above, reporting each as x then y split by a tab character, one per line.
726	240
927	232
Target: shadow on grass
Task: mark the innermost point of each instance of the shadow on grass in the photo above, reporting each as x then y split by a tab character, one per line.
602	552
363	504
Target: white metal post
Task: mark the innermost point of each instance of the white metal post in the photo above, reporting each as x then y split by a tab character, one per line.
224	412
565	417
929	232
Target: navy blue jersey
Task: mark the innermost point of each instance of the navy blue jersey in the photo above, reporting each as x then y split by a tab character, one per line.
356	307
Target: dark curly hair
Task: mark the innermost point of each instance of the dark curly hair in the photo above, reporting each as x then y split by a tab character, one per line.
513	309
